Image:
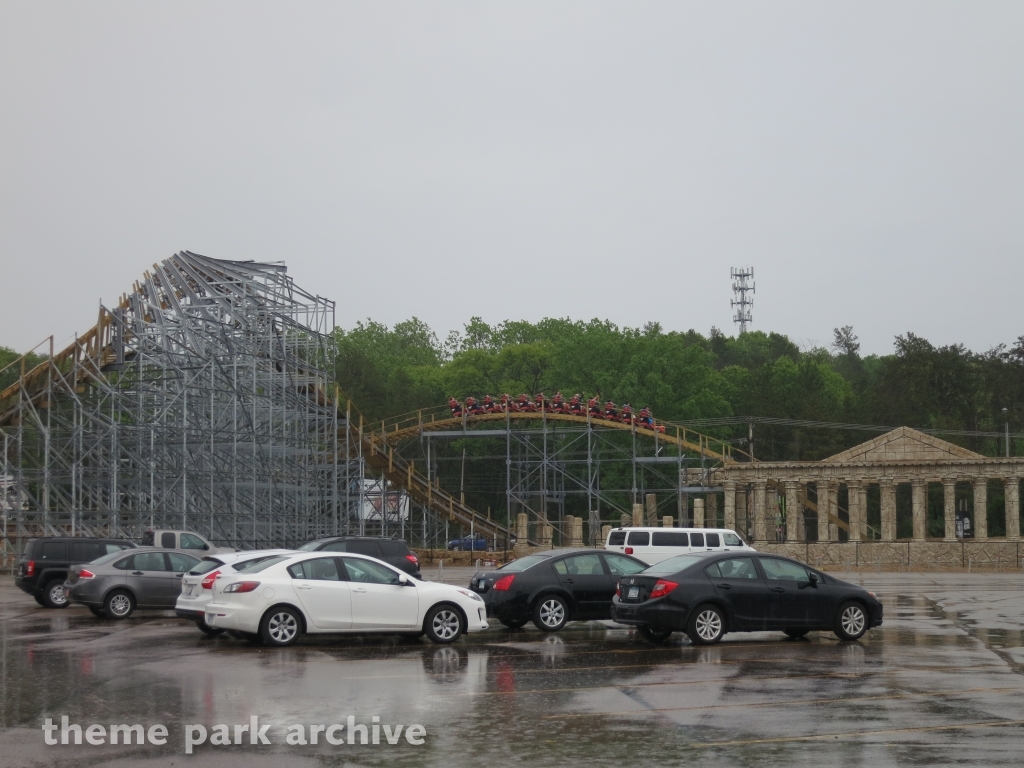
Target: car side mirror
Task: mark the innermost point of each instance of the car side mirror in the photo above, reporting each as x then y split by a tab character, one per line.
206	547
403	580
814	580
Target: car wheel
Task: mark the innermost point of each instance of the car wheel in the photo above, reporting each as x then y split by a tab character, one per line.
550	613
97	612
795	634
851	621
654	635
119	605
281	626
53	594
444	624
510	624
707	625
206	629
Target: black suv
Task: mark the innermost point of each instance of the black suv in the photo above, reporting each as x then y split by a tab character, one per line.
44	564
393	551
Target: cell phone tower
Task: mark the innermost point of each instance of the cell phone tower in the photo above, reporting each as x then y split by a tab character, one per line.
740	287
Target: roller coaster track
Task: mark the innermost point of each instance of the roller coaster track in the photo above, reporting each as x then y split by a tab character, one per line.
407	426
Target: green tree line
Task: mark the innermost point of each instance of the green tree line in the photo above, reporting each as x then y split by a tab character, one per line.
686	376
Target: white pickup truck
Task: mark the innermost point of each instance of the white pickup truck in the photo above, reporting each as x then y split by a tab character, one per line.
183	540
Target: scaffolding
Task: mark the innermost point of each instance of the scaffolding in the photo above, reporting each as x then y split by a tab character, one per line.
203	401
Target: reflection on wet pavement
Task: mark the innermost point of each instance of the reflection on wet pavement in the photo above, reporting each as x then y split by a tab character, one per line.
941	683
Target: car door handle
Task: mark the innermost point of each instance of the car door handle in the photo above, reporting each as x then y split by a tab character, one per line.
137	573
358	589
303	586
569	581
724	586
778	589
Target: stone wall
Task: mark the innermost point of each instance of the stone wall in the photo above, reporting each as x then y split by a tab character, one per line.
904	555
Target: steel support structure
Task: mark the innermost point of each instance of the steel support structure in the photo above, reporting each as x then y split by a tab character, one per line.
204	400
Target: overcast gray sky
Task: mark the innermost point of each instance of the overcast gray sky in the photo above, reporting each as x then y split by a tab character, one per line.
522	160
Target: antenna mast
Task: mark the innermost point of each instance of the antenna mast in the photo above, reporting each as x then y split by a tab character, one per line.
740	288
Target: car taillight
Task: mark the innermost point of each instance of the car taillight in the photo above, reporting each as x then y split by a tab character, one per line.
84	574
502	584
618	589
242	586
413	559
210	578
662	588
629	550
30	568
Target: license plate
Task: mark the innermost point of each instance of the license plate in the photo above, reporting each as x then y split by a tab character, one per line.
633	592
189	588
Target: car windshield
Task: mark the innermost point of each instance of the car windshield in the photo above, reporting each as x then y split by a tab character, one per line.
524	562
205	565
673	565
310	547
107	558
259	565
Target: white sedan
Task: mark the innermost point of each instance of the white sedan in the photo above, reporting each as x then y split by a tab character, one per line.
283	597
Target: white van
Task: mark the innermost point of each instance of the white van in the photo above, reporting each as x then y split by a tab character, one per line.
652	545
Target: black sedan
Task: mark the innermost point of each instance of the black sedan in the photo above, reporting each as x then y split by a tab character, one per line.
707	596
554	587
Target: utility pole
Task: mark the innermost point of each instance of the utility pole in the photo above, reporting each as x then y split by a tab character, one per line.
740	287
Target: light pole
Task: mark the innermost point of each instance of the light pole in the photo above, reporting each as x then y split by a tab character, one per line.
1006	417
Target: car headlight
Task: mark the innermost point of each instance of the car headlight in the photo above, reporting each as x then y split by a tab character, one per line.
472	595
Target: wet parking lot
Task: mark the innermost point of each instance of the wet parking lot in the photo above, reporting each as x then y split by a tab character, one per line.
941	683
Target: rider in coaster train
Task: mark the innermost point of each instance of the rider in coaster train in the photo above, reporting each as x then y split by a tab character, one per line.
558	402
627	412
455	406
609	410
645	417
525	404
576	404
540	401
506	403
472	406
594	405
488	404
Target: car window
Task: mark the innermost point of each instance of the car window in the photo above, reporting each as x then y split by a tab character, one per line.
584	565
368	548
714	540
191	541
54	550
204	566
696	539
670	539
675	564
125	564
168	540
732	540
394	548
783	570
106	558
369	572
255	566
638	538
736	568
623	566
310	546
181	563
616	538
149	561
318	569
237	566
336	546
522	563
112	548
85	551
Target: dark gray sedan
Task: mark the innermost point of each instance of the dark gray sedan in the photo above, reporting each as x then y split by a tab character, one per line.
115	585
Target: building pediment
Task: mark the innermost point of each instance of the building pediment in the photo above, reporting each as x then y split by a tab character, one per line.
903	444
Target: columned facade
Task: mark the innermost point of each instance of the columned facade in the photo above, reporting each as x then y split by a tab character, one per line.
901	456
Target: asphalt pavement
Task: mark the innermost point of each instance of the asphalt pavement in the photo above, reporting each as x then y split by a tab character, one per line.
941	683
